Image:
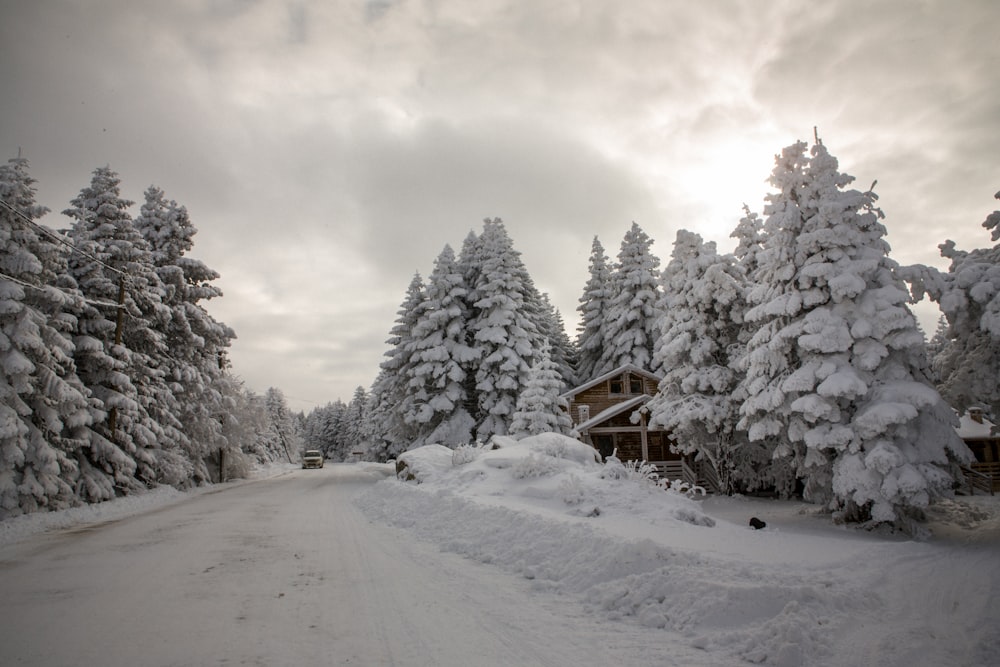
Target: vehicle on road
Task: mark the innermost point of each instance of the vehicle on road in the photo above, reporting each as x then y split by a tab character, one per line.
313	458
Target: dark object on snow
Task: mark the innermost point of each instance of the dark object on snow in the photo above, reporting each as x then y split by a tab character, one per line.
595	512
756	523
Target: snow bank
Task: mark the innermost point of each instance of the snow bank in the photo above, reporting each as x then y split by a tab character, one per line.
541	507
20	527
802	591
760	613
548	472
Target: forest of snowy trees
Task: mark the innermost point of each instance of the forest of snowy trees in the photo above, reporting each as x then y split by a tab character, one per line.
113	376
793	363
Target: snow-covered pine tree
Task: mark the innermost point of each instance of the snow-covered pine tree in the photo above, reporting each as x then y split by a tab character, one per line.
633	307
439	358
108	464
470	259
592	309
748	240
834	368
284	433
323	427
539	407
197	342
552	329
507	339
696	354
43	405
353	425
968	361
385	426
146	424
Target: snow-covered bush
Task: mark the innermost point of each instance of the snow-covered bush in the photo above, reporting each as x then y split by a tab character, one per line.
643	472
535	466
562	447
613	468
682	487
464	454
571	490
554	448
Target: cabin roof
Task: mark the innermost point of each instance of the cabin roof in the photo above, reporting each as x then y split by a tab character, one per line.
970	429
613	411
627	368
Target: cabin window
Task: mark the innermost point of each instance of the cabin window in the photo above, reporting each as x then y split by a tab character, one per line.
629	385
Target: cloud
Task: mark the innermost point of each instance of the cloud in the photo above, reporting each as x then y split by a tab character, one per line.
327	150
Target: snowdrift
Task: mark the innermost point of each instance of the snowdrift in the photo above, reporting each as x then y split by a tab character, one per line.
543	508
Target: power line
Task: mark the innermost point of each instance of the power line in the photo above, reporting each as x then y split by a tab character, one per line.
75	295
60	239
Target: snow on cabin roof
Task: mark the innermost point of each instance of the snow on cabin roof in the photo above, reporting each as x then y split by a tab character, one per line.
627	368
608	413
970	429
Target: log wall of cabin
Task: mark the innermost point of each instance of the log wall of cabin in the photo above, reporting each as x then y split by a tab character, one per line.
600	398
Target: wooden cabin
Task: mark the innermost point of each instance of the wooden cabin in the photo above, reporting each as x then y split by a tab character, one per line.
983	438
608	414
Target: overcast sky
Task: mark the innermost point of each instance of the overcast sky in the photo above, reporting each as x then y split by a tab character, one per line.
328	149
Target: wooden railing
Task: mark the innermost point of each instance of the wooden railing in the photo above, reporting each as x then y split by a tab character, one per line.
983	476
709	477
689	475
669	469
698	475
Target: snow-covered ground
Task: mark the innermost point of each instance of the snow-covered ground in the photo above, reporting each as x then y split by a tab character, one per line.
20	527
801	591
612	567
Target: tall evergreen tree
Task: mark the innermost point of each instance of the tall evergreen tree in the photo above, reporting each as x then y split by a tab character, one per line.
470	260
353	425
284	427
440	357
196	341
43	406
593	315
700	343
123	432
507	338
968	359
385	424
633	309
834	370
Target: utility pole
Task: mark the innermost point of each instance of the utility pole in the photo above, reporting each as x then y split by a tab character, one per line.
119	322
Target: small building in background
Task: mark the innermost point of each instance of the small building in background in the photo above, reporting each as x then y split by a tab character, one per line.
982	437
608	414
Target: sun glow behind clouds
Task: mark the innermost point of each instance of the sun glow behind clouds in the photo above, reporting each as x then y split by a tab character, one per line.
708	194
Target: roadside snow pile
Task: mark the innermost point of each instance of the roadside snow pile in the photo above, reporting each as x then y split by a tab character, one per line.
760	613
17	528
542	508
20	527
552	471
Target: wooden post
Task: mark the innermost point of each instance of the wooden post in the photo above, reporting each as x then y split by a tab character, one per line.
222	465
642	435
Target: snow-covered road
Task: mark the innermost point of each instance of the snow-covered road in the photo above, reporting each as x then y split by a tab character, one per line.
286	571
